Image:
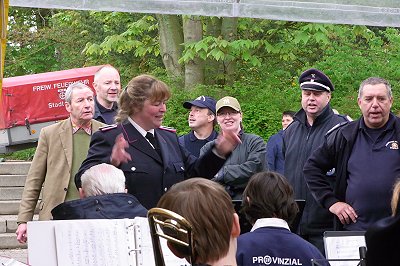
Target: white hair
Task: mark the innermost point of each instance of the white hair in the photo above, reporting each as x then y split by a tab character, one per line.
103	179
74	86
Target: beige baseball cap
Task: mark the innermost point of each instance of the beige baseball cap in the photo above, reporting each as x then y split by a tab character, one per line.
228	101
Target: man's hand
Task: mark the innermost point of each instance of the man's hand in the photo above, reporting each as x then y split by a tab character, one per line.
344	212
21	233
226	143
119	154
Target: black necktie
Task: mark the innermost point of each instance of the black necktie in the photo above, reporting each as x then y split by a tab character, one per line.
153	142
151	139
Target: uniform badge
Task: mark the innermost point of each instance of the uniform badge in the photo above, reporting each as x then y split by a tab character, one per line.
170	129
393	145
108	127
312	77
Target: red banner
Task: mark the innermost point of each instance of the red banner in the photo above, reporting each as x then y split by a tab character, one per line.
40	97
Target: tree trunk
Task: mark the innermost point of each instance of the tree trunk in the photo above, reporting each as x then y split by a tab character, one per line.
229	33
194	69
213	69
43	17
171	39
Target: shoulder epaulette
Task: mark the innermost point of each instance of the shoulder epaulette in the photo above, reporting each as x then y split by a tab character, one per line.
170	129
108	127
336	127
346	117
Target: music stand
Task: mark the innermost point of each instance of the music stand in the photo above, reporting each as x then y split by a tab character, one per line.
343	262
342	247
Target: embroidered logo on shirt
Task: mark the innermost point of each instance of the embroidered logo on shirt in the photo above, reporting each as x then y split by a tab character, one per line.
267	260
393	145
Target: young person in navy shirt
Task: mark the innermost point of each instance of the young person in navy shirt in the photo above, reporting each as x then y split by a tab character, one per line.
269	205
215	225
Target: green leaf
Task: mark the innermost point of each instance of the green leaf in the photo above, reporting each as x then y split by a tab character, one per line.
200	46
246	55
321	37
301	36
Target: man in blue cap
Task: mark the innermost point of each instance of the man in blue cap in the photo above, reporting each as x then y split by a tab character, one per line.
300	139
201	121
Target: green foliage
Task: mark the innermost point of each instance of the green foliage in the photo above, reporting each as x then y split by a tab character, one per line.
28	49
269	57
140	35
24	155
263	97
218	49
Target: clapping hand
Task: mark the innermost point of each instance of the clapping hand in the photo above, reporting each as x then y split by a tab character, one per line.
119	154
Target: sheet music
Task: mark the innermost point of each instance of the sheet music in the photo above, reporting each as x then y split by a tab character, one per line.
344	247
144	243
169	258
93	243
100	242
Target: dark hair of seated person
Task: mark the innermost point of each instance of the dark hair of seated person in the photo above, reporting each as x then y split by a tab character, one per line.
269	195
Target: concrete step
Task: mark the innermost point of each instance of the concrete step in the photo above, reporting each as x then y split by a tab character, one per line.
14	168
9	241
12	180
8	226
8	223
18	254
11	207
11	193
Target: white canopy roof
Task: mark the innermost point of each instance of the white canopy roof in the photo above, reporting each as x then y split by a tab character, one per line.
359	12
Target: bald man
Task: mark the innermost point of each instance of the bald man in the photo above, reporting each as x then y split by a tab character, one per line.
107	83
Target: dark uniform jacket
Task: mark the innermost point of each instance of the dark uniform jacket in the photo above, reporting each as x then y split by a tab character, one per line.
335	152
274	156
148	176
383	241
299	141
108	206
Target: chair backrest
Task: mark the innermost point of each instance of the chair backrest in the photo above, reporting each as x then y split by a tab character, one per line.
175	229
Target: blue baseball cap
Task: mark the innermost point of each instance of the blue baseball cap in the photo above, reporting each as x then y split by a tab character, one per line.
202	102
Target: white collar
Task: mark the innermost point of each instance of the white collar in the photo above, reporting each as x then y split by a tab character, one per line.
139	128
275	222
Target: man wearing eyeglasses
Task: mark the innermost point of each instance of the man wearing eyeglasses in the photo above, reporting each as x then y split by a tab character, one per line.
246	159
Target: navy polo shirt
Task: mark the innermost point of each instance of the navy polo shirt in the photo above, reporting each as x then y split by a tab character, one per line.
193	144
106	115
372	168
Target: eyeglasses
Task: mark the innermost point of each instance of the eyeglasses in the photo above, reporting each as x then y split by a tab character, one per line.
225	114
